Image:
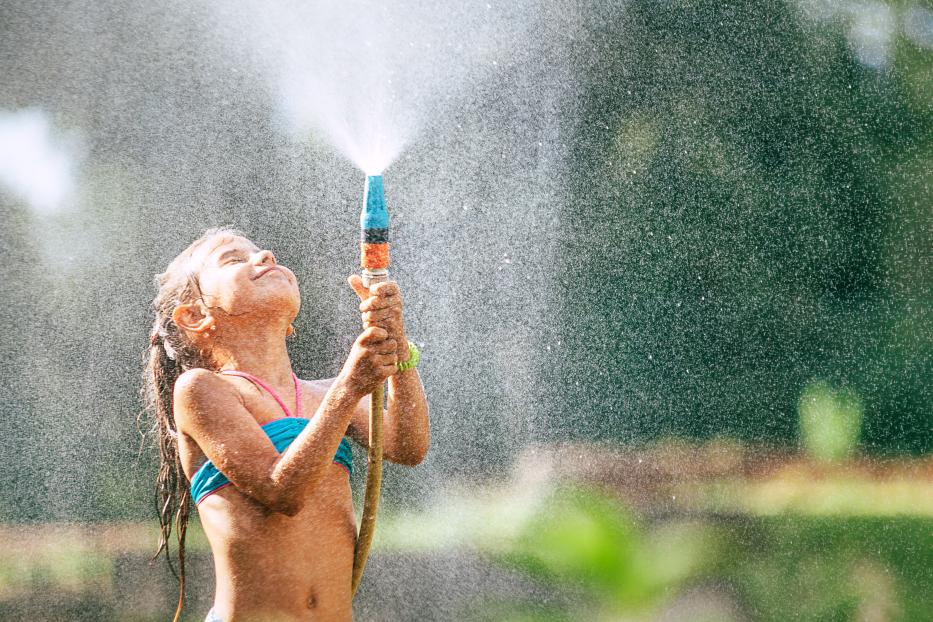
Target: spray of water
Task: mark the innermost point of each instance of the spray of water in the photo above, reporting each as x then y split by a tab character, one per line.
370	78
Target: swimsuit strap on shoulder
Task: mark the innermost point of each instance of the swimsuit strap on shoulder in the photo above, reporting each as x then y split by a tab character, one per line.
243	374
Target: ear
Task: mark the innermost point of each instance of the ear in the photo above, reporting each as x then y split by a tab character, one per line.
192	317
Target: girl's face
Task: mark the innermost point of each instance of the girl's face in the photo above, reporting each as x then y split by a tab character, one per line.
237	278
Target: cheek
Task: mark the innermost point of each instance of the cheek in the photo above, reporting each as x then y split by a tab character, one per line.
223	288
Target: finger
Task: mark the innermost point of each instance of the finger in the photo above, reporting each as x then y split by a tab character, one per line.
386	359
388	346
380	302
395	328
386	288
382	347
379	315
382	360
376	352
388	370
357	284
373	334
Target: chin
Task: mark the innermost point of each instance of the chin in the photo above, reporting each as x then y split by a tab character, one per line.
274	303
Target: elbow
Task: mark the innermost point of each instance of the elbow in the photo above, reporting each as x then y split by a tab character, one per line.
413	456
418	456
280	499
416	460
290	509
289	499
288	505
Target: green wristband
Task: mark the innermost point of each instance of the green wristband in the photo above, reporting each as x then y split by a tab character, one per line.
414	355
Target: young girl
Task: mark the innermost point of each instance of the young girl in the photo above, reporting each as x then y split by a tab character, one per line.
265	452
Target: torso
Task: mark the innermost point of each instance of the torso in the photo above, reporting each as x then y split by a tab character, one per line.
270	564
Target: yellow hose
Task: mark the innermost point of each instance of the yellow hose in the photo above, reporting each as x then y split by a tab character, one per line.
373	485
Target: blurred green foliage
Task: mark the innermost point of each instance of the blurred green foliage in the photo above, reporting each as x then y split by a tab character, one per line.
825	568
832	568
766	191
580	538
830	421
69	569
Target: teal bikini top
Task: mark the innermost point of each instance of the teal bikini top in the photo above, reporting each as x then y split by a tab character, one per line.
208	479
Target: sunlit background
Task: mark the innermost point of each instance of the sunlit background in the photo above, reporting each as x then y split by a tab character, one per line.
668	263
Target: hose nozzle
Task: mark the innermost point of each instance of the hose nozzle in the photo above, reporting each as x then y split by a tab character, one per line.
374	233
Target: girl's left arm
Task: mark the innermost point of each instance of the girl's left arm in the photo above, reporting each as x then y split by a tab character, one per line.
406	433
406	420
405	429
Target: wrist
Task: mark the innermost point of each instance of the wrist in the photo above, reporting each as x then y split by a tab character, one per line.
413	356
404	352
344	388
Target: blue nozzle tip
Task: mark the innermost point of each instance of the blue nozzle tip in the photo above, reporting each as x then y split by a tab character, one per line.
375	215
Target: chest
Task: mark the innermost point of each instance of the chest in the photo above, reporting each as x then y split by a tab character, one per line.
262	407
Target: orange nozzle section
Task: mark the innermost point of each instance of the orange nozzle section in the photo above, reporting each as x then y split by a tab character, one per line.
374	256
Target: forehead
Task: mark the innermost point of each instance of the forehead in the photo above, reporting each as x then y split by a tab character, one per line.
223	243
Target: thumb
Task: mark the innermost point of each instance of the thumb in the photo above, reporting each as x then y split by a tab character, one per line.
357	284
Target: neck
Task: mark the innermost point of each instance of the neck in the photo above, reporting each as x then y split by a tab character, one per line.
262	354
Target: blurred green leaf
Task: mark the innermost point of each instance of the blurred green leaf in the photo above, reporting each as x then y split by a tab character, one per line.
830	420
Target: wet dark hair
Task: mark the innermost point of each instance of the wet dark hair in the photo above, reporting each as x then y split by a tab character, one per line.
169	354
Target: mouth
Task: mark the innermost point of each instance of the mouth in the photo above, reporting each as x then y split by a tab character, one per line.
267	270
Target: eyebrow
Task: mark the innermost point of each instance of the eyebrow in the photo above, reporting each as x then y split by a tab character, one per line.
231	251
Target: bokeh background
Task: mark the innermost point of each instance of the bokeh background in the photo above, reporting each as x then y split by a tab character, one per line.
668	264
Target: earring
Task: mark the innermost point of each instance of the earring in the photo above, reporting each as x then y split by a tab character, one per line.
290	330
213	326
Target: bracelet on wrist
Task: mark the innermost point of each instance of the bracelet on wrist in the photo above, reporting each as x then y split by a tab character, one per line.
414	355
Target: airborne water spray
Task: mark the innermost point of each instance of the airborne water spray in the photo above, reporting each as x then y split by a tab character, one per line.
374	262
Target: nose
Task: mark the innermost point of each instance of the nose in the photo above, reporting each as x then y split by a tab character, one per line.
264	256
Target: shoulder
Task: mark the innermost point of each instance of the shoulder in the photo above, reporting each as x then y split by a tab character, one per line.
193	383
198	392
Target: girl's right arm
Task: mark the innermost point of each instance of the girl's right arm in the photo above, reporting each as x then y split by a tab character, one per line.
208	410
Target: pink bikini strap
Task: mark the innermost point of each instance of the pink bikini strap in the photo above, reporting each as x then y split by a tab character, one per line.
243	374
